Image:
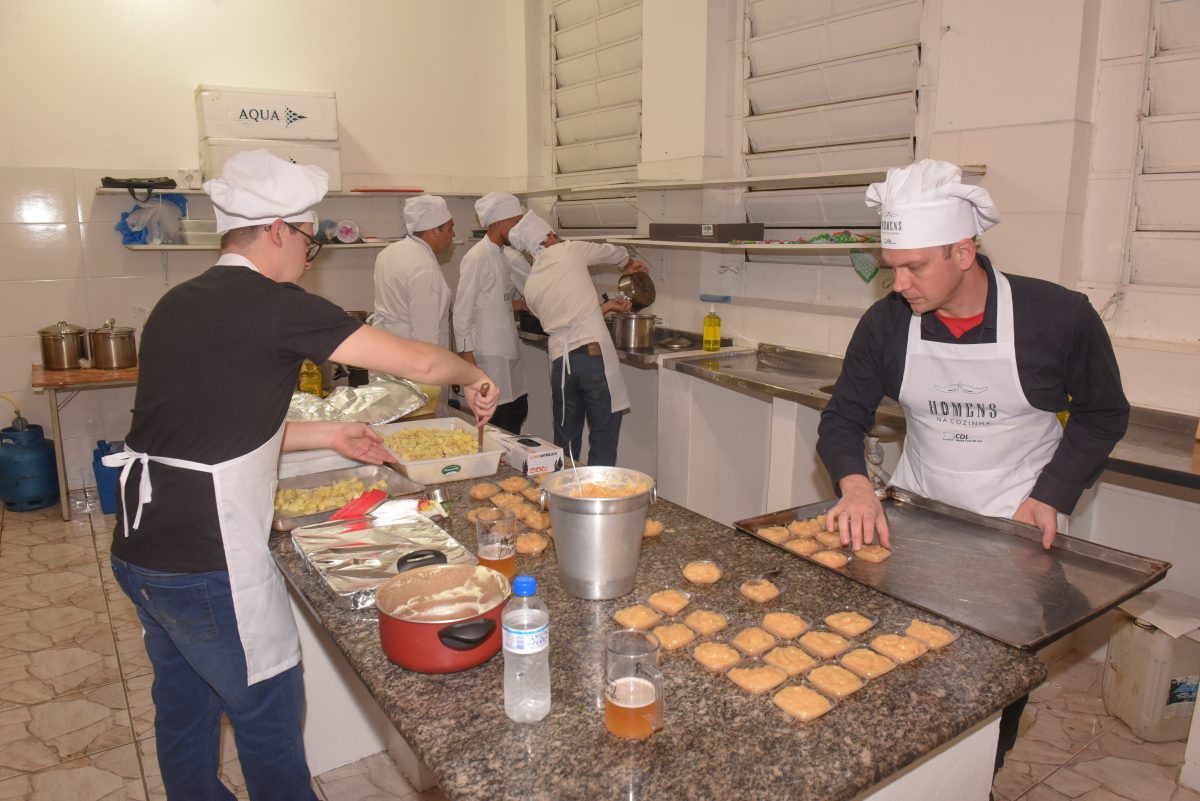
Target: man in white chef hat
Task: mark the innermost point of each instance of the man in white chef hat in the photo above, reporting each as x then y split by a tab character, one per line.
221	354
981	363
485	331
585	373
412	299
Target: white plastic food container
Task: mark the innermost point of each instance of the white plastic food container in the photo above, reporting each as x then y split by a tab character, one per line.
326	155
454	468
235	112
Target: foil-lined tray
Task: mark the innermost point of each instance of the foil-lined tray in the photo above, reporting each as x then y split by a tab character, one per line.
353	557
382	399
395	485
987	573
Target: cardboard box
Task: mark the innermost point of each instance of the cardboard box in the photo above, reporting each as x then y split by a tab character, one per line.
326	155
706	232
531	455
234	112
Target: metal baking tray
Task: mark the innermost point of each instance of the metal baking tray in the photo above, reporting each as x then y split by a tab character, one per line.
396	485
989	574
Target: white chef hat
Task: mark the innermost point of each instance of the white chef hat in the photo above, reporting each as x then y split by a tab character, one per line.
257	188
496	206
424	212
529	234
927	204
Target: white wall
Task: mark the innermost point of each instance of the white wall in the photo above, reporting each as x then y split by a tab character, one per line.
432	94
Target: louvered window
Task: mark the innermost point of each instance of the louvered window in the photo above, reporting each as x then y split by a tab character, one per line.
831	86
596	108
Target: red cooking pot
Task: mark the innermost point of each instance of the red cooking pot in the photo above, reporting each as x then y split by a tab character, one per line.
440	618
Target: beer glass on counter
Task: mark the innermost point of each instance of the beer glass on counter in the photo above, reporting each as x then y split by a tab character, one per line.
495	540
633	691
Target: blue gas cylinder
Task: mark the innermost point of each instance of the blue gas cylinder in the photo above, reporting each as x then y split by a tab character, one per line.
28	469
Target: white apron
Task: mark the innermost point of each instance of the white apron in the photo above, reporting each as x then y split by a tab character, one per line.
973	440
245	490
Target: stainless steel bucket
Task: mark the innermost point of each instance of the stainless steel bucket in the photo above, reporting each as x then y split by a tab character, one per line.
598	540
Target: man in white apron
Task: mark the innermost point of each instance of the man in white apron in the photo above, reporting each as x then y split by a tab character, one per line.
485	331
585	373
220	357
981	363
412	299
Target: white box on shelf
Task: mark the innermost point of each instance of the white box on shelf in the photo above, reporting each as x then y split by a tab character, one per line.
233	112
326	155
455	468
531	455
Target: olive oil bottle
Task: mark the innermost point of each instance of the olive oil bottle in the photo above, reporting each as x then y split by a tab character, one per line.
712	330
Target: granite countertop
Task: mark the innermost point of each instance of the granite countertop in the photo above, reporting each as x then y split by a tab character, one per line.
718	741
1158	445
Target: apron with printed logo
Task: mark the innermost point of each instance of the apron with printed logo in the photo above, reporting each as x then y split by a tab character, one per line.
973	440
244	488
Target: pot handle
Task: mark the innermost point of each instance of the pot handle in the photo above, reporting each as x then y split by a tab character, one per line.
421	558
468	634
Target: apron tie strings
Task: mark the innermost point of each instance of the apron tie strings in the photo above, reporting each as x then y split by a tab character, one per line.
125	460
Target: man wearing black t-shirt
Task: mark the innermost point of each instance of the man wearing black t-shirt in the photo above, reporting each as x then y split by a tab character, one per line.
220	357
980	362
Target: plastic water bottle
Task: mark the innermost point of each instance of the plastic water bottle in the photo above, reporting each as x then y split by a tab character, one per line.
526	624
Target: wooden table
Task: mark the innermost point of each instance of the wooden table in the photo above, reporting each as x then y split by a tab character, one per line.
73	381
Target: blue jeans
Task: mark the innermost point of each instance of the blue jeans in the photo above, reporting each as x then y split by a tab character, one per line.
587	398
191	637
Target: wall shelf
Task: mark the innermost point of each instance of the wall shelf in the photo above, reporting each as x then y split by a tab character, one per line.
829	247
329	246
365	194
804	180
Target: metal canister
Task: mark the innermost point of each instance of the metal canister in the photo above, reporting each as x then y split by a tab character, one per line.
63	345
113	347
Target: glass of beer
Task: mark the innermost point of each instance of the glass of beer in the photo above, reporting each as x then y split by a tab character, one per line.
495	540
633	691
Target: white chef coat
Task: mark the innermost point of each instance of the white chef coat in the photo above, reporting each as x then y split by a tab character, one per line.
483	318
518	269
562	296
411	294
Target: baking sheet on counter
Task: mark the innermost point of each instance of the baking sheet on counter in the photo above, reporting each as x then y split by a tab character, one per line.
395	485
353	557
989	574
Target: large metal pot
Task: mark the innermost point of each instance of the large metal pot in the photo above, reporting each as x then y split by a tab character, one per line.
633	331
440	618
63	345
113	347
597	538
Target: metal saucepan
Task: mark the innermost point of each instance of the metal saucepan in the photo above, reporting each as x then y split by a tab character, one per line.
639	288
633	331
113	347
440	618
63	345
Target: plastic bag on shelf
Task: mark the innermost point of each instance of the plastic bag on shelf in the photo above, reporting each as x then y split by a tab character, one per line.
155	223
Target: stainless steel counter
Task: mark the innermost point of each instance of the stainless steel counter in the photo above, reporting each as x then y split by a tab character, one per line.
647	359
1158	445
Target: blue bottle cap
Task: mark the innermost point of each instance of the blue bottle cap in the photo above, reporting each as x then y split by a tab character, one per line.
524	586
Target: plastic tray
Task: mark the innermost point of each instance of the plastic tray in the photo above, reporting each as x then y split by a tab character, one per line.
454	468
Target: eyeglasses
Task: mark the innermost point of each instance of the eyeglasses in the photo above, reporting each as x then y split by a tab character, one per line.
314	247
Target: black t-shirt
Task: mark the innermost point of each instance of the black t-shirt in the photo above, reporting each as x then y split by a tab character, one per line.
1065	361
220	356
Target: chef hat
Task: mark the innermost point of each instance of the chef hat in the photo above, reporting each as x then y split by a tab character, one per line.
927	204
496	206
257	188
528	235
424	212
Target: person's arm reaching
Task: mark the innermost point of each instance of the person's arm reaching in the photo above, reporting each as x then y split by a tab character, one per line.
353	440
418	361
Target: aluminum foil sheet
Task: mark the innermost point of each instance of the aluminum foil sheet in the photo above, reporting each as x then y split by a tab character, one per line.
382	399
353	557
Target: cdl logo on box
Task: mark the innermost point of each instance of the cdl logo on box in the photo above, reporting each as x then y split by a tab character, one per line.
228	112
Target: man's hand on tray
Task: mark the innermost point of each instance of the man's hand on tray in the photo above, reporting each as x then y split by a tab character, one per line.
859	514
1039	514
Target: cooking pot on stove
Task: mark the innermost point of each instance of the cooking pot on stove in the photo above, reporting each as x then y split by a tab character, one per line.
633	331
63	345
440	618
113	347
639	288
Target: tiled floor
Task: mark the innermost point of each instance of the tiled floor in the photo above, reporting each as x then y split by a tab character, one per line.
76	720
